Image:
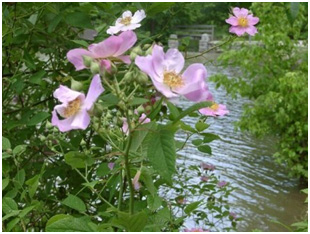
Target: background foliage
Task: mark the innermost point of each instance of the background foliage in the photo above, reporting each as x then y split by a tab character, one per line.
274	74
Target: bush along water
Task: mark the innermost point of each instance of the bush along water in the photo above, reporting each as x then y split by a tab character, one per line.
273	72
94	149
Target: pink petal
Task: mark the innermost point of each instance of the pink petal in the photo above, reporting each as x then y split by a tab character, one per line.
194	77
143	119
174	61
232	21
222	110
63	125
146	65
94	91
135	181
237	30
81	120
75	57
106	48
127	14
158	56
125	58
199	96
251	30
207	111
240	12
164	89
130	27
127	40
60	109
252	20
105	65
125	126
65	95
113	29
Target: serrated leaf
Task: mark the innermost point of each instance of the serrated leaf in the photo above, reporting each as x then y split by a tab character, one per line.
161	153
19	149
200	126
81	42
54	22
146	177
74	202
37	77
8	205
5	143
70	224
76	159
132	223
138	101
191	207
174	112
154	202
38	118
19	178
197	142
205	149
33	184
208	137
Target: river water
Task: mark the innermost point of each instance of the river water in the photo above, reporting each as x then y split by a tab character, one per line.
263	191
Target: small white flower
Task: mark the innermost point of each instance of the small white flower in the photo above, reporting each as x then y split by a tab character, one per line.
127	22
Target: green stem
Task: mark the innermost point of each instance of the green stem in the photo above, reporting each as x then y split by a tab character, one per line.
120	197
214	47
127	168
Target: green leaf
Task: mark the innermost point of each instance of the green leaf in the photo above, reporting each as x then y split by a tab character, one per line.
5	183
139	136
33	19
37	77
154	202
70	224
29	61
200	126
147	179
208	137
5	143
197	142
187	127
11	214
8	205
77	160
74	202
132	223
33	184
191	207
19	149
79	19
191	109
158	7
12	224
19	178
25	211
56	218
38	118
109	100
156	110
173	110
138	101
103	169
81	42
205	149
54	22
293	13
161	153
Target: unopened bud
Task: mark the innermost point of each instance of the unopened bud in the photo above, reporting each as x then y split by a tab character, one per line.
49	125
143	78
140	110
149	51
137	50
76	85
94	68
133	55
42	138
127	77
87	61
82	142
146	46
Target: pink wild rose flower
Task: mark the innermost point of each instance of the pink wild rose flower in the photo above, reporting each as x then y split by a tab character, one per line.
164	69
135	181
111	49
195	230
214	110
242	22
127	22
74	106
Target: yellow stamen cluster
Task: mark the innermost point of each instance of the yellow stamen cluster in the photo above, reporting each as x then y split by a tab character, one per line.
126	20
72	108
215	106
173	80
243	22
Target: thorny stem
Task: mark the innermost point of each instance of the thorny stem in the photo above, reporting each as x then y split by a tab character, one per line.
127	168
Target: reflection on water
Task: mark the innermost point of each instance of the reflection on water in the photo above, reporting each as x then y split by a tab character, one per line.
263	192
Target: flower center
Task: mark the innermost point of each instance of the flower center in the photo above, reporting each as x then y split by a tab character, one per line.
214	106
243	22
72	108
126	21
173	80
